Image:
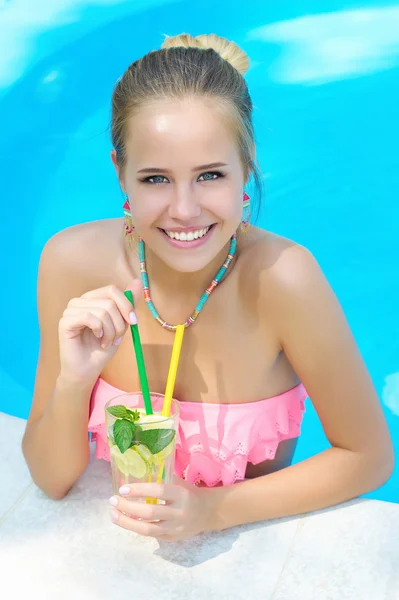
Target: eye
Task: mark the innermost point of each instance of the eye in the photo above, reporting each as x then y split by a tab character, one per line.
153	179
211	175
158	179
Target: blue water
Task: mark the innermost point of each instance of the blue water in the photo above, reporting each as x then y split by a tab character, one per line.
324	81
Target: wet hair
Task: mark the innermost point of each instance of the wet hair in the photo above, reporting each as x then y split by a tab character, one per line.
206	66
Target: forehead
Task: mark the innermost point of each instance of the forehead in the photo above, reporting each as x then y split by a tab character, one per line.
189	131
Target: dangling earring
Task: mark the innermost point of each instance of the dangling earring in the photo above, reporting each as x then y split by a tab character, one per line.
246	213
129	227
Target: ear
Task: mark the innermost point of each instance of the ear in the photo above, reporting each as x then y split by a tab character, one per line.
114	160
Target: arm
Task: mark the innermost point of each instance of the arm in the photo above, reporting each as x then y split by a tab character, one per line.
80	331
55	446
55	443
319	345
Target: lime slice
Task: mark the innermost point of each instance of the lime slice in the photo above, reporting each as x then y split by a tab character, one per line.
144	452
131	462
148	457
155	422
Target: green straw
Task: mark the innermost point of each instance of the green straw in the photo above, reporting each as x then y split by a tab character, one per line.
140	361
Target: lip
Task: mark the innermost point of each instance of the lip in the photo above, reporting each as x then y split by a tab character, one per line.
189	245
187	229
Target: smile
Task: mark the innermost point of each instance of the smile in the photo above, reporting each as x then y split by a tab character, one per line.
189	238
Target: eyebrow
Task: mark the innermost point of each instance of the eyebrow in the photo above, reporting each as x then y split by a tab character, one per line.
200	168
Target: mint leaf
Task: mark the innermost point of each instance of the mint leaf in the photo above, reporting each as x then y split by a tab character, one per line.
134	415
122	412
123	434
155	439
119	411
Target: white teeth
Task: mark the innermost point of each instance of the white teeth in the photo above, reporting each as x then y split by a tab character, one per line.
189	236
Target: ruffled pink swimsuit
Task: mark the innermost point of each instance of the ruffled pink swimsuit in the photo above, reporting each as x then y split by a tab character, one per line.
215	442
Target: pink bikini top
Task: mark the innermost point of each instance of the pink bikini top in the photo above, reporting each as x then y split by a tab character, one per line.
215	442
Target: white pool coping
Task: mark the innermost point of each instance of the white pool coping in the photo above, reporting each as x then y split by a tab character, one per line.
70	549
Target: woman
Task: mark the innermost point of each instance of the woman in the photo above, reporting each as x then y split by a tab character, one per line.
184	151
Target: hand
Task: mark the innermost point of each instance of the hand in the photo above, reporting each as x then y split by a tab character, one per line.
187	511
91	330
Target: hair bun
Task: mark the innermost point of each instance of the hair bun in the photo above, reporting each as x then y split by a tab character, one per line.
227	50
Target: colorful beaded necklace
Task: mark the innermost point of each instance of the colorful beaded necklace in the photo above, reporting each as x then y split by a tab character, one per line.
214	283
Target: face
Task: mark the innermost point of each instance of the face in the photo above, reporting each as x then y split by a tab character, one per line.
184	180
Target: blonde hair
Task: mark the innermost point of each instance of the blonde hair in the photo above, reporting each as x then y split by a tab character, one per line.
227	50
206	66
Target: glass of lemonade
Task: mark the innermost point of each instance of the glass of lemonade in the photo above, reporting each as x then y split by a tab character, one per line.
142	447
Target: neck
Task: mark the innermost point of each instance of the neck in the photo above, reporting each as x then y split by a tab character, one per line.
184	289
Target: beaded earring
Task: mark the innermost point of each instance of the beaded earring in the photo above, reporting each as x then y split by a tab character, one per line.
246	213
129	227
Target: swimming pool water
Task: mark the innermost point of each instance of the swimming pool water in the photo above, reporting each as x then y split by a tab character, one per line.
324	82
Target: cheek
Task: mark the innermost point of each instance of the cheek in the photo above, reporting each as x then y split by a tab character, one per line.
229	204
148	206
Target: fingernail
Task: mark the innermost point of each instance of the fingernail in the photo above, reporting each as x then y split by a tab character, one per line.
114	515
100	335
124	490
114	501
133	318
118	341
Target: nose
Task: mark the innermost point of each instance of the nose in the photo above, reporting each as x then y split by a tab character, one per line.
183	205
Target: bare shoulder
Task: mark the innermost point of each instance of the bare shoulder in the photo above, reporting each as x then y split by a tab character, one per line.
84	240
83	252
279	266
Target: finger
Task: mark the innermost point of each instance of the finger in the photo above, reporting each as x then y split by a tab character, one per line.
142	510
115	294
72	325
162	491
110	334
107	326
102	304
155	530
105	309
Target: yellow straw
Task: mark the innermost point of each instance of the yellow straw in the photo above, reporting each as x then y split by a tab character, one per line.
170	384
174	362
